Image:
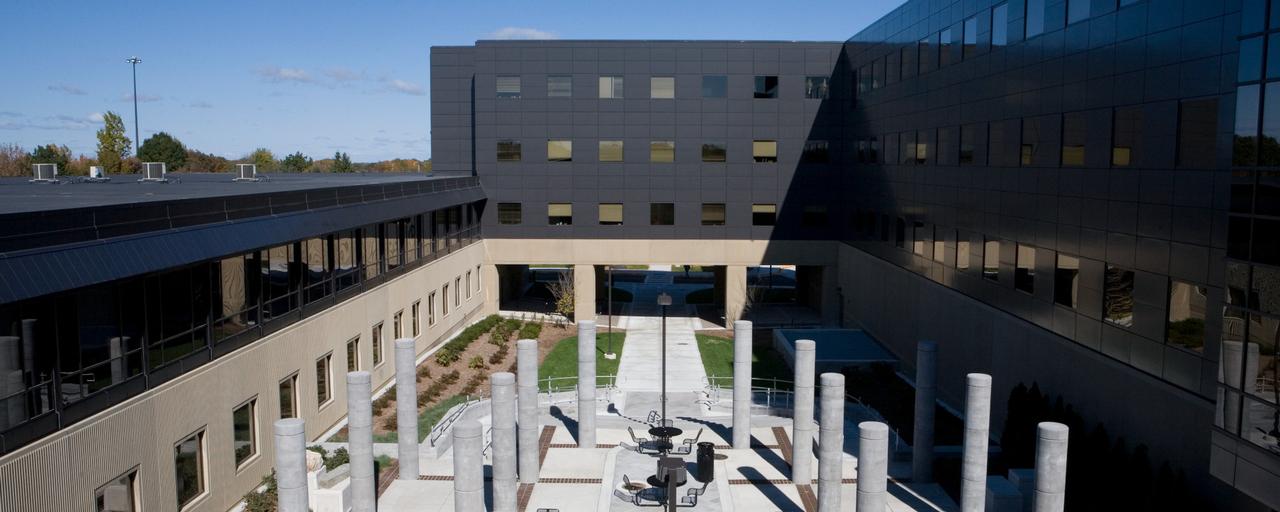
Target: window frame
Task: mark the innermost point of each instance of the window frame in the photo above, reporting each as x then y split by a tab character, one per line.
135	490
254	437
567	80
415	318
656	148
202	467
600	155
616	87
328	398
654	211
294	399
712	221
654	81
510	143
559	145
761	88
760	153
600	214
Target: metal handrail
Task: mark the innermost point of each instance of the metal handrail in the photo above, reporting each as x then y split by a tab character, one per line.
488	441
443	425
554	385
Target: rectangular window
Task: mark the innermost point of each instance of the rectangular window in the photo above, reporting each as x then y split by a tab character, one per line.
559	150
457	291
873	151
970	37
559	214
991	260
962	252
188	465
910	61
508	86
764	151
1030	135
610	87
375	337
244	431
939	245
444	300
1117	296
877	73
907	145
944	48
324	379
766	86
918	241
508	150
1024	273
714	152
510	214
864	78
415	318
559	87
1269	153
1074	133
1000	25
610	214
1035	18
816	87
814	216
431	309
764	214
1187	307
289	397
922	147
662	151
1066	281
1244	146
610	151
715	86
1126	136
928	54
968	143
900	233
468	283
1077	10
662	214
893	68
353	354
815	152
662	87
119	495
1197	133
712	214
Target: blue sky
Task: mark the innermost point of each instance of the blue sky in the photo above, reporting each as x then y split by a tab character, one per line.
315	76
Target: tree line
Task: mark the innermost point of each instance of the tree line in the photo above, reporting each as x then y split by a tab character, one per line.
115	156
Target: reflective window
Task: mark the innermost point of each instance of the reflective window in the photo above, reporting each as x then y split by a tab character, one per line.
764	151
764	214
970	37
939	246
244	431
1253	16
1024	274
415	318
893	68
662	87
431	309
1000	25
457	291
968	143
991	260
877	74
1197	133
815	151
816	87
510	213
188	465
1117	296
508	86
1030	137
1187	308
766	86
928	53
371	255
289	397
944	48
391	239
119	495
712	214
864	78
559	214
508	150
1074	134
324	379
610	214
559	150
376	341
1273	53
444	300
610	151
662	214
918	240
962	252
907	142
559	87
610	87
1269	144
713	152
715	86
922	147
1077	10
1066	281
662	151
1250	66
353	354
1266	289
1260	359
1126	136
1035	18
910	61
1244	149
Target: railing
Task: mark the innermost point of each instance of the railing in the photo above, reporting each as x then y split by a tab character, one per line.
488	441
777	393
553	388
455	413
897	437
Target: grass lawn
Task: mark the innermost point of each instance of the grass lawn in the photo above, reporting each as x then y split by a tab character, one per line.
562	361
426	420
717	360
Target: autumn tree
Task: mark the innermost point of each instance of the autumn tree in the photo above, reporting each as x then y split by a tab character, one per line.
113	144
163	147
263	158
296	162
14	160
204	162
52	154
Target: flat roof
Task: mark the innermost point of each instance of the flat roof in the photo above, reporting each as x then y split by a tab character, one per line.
20	195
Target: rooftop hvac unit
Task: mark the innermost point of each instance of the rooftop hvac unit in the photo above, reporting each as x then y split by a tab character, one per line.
44	173
96	175
153	171
246	172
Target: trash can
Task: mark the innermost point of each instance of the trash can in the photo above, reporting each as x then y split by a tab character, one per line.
706	462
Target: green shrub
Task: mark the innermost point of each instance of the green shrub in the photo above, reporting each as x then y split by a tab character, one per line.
530	331
264	500
452	351
476	362
337	458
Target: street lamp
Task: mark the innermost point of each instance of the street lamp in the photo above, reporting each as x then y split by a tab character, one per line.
608	354
664	300
134	61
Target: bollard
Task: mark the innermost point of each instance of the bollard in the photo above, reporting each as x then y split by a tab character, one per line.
364	485
503	405
1051	467
977	421
527	401
468	467
407	408
802	417
291	466
873	466
586	384
742	385
830	442
926	399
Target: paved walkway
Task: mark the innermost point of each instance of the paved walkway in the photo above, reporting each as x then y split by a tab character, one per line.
641	366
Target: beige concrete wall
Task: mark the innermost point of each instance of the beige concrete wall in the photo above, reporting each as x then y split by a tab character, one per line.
505	251
61	471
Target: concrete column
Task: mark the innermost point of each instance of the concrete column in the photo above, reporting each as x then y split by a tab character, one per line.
527	389
364	485
14	409
802	414
741	385
584	292
1051	467
926	398
977	423
503	411
586	383
291	465
735	292
115	350
490	283
873	467
9	357
468	467
407	407
830	442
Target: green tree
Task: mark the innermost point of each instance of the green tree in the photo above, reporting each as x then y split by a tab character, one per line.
113	144
342	162
162	147
204	162
263	158
296	162
52	154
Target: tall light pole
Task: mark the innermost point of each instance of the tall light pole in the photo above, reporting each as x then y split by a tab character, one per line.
664	300
135	60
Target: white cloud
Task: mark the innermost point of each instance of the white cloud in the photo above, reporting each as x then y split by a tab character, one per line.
96	117
406	87
67	89
521	33
200	104
142	98
279	74
342	75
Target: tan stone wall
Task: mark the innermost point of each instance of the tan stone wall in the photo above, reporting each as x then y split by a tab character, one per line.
660	252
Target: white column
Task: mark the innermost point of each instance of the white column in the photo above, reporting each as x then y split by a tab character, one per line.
926	398
527	400
291	465
873	466
468	467
741	385
407	408
364	485
977	424
586	383
1051	467
830	442
503	390
802	414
